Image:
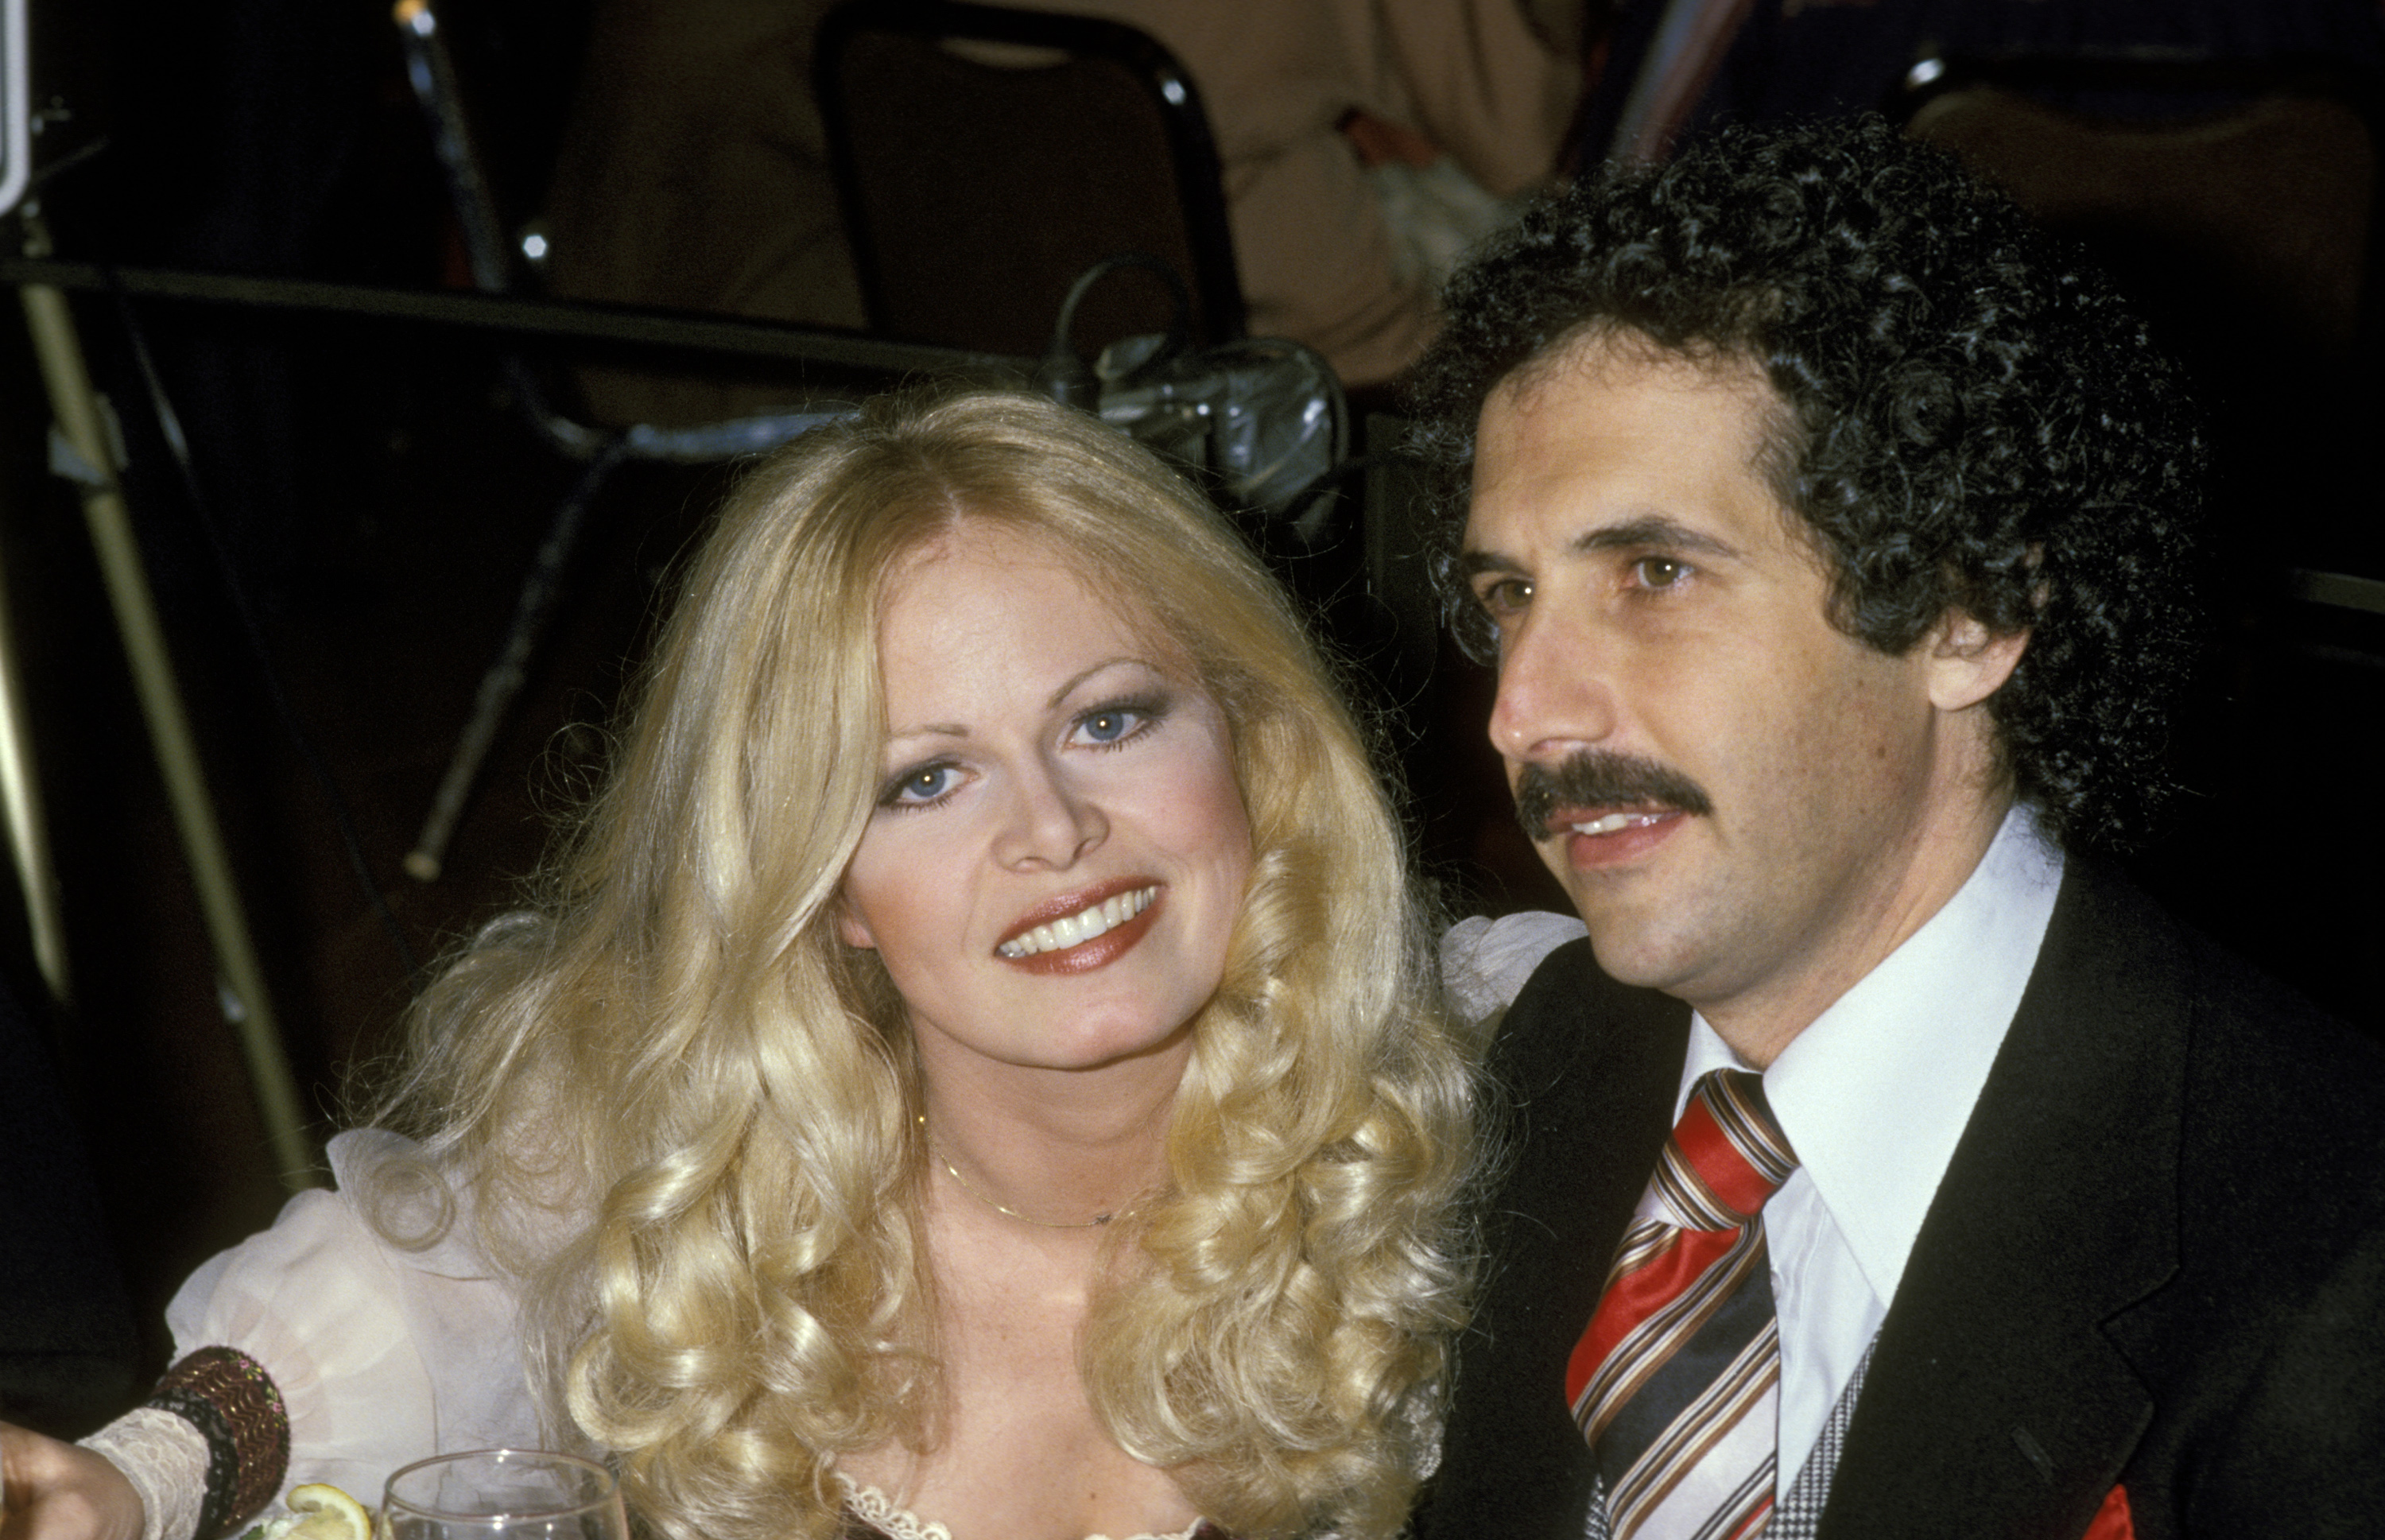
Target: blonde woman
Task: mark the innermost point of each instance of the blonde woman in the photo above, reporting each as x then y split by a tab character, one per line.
977	1067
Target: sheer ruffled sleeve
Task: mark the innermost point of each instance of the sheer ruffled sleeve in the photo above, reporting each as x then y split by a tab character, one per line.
1484	962
378	1356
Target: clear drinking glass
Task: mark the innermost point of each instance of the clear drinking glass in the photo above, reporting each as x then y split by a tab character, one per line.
502	1494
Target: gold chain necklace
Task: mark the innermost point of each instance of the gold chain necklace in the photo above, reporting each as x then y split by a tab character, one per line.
970	1188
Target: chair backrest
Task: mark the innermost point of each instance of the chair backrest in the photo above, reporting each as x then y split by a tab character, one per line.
985	158
2236	203
2250	180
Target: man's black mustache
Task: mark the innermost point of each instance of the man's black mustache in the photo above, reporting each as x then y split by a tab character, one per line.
1601	778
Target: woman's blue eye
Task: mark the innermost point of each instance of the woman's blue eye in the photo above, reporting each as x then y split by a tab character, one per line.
1108	726
916	787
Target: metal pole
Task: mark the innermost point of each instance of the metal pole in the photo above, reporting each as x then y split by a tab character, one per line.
502	684
586	320
83	432
20	803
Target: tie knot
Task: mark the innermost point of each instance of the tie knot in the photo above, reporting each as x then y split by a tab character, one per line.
1726	1156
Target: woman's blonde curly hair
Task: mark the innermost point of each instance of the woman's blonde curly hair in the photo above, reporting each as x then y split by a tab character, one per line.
683	1109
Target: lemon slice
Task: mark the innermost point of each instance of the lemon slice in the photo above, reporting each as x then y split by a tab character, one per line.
326	1514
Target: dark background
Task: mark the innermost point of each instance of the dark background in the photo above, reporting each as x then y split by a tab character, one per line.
370	499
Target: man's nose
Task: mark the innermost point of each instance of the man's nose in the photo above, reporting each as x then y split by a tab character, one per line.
1554	689
1051	822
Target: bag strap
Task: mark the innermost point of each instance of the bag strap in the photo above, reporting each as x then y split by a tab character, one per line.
1064	375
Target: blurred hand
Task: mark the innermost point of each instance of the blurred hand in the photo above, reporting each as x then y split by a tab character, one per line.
56	1491
1380	141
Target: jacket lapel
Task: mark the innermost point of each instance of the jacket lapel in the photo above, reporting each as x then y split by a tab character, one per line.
1586	1068
1996	1405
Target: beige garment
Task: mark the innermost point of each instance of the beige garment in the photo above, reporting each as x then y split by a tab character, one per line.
1317	258
695	171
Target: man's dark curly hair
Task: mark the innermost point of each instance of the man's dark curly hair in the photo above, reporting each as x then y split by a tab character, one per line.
1974	420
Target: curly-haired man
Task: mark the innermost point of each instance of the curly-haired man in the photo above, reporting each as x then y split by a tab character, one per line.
1827	528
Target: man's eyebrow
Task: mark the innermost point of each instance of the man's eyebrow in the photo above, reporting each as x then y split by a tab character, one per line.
1656	530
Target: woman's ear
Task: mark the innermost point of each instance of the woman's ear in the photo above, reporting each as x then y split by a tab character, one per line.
851	928
1968	662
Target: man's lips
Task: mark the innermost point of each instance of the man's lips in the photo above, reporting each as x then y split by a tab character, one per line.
1598	823
1083	930
1596	837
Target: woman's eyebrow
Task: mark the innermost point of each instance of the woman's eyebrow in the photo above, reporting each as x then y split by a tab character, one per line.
927	729
1065	691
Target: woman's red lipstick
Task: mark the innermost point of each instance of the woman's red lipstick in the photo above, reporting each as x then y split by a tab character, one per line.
1052	937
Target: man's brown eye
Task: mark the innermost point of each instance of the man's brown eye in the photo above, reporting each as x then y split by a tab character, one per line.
1659	571
1506	595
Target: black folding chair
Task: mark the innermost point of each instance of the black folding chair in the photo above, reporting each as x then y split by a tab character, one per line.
496	269
985	158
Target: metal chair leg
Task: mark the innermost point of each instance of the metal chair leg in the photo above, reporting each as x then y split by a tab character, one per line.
83	431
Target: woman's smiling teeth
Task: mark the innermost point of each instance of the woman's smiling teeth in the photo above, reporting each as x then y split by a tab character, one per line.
1076	929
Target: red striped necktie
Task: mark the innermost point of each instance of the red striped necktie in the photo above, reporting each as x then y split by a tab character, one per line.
1677	1382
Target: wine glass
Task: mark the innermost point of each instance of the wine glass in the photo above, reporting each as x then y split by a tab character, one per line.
502	1494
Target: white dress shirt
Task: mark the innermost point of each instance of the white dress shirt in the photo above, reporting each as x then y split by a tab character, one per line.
1873	1096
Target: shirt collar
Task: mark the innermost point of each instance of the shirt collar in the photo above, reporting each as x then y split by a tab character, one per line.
1874	1094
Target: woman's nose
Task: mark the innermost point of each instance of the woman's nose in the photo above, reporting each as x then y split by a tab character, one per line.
1051	822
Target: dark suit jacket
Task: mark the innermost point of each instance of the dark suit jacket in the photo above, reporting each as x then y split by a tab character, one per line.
2158	1259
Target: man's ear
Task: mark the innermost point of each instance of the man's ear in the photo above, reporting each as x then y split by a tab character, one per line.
1968	662
851	928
